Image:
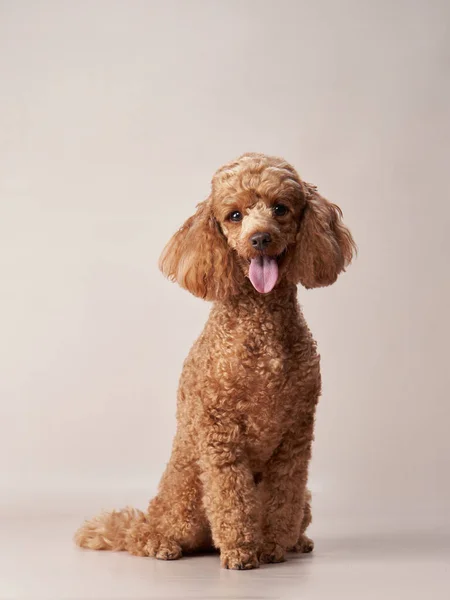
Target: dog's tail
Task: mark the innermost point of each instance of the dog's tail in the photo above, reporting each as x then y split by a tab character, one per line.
109	531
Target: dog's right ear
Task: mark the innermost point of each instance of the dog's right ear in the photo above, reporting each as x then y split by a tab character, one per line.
199	259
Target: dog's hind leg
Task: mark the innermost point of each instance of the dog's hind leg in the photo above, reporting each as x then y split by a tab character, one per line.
304	544
176	521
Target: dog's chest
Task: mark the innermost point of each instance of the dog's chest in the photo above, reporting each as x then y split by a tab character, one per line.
251	369
260	366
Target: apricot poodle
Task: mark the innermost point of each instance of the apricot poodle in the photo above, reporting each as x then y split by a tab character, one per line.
238	472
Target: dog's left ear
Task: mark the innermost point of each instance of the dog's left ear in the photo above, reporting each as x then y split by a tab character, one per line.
199	259
324	245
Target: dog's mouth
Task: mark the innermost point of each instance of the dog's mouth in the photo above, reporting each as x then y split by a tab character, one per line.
264	271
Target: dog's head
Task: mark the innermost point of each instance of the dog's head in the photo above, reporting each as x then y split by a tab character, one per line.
261	223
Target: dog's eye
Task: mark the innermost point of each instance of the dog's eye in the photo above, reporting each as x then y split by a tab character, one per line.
235	216
279	210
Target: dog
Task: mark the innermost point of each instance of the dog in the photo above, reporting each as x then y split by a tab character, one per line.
237	476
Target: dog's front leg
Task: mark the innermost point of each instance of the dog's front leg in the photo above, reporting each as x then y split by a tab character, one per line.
230	497
284	492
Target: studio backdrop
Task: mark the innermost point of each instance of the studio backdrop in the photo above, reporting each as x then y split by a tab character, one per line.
113	117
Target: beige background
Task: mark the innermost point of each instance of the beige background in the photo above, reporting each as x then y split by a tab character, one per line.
113	117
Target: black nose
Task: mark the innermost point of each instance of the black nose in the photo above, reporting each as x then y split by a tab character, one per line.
260	240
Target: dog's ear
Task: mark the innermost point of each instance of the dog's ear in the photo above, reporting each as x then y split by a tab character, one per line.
199	259
324	246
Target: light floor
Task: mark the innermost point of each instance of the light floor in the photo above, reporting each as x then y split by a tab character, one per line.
38	560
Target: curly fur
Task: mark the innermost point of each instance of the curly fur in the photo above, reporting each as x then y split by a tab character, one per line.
238	471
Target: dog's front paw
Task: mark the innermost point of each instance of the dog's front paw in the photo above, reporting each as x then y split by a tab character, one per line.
240	559
271	552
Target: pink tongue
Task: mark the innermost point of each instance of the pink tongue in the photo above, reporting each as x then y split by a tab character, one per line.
263	273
